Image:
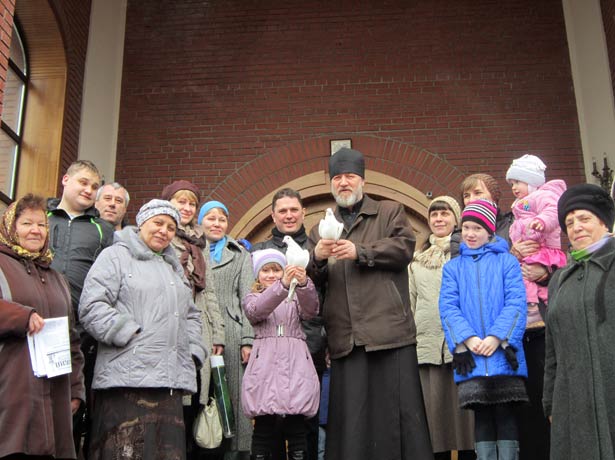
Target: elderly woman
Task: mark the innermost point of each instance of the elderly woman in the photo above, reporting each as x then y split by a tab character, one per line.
579	393
233	279
36	413
450	427
137	304
190	246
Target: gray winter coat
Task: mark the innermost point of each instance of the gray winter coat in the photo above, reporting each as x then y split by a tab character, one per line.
139	307
233	278
579	385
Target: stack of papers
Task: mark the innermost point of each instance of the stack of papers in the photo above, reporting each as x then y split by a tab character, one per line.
50	349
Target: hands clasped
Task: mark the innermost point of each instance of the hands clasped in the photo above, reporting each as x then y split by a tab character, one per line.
340	249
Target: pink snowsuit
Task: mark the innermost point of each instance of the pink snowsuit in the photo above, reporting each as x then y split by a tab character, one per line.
540	204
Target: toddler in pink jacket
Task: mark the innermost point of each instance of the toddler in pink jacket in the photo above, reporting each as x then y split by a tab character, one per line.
535	211
280	387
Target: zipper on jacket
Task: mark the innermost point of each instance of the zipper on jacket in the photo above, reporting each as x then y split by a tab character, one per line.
482	320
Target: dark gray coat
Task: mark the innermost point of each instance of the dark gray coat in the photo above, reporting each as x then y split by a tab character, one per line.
579	386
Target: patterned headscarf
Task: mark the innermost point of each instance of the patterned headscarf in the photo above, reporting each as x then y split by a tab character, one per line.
8	237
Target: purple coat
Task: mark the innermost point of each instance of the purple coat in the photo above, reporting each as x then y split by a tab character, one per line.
280	377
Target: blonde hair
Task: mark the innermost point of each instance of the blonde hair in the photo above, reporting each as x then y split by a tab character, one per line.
186	194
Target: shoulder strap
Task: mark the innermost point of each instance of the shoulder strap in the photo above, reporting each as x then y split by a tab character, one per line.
6	294
4	287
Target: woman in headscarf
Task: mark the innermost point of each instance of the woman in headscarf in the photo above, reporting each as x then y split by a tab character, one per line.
579	390
138	305
233	277
36	413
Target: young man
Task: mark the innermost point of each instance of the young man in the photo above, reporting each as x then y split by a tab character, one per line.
76	236
112	202
288	213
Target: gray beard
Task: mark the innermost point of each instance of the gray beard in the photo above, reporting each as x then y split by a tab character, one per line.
351	200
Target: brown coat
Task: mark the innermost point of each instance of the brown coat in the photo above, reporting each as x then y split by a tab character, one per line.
367	301
35	413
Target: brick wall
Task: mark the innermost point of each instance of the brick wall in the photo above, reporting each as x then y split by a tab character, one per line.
242	96
73	21
608	18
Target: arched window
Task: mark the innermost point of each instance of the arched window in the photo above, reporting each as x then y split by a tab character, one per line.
13	108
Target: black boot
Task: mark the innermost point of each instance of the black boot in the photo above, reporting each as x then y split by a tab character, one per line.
297	455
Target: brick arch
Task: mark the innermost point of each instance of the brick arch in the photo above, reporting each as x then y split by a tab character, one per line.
395	170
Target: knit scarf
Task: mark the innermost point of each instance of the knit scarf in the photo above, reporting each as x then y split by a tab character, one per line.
191	258
585	253
437	254
8	237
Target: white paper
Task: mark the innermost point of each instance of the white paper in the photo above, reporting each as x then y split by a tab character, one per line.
50	349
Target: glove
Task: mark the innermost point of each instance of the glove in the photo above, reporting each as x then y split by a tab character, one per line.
463	362
511	356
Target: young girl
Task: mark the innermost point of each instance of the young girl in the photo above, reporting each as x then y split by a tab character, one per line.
535	211
483	312
280	387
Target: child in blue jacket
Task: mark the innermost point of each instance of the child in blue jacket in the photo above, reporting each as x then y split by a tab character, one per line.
483	312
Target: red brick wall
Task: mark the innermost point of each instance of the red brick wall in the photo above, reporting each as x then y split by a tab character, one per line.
608	18
243	96
73	21
7	8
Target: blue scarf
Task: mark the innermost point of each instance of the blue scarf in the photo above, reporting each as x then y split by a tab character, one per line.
215	248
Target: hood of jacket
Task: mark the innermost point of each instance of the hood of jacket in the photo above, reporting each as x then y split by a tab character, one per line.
496	245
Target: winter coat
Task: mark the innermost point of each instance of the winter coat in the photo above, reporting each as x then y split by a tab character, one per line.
367	302
35	413
75	245
233	279
206	301
579	385
314	328
540	204
425	278
139	307
483	294
280	377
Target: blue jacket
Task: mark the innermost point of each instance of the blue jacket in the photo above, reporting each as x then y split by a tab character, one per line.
483	294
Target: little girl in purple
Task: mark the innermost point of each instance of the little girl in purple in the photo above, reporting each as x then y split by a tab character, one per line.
535	211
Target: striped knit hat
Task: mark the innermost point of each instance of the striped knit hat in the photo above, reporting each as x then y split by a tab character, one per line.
482	212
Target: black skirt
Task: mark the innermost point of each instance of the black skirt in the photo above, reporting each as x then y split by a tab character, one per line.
376	407
138	423
484	391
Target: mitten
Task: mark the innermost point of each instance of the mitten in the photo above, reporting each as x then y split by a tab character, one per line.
511	356
463	362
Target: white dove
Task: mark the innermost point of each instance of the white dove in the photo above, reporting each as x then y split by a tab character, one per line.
295	256
330	228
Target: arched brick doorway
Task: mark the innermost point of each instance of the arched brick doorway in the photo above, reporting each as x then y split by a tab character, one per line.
395	170
256	224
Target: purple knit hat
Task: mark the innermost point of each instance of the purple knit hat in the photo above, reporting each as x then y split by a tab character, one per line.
267	256
482	212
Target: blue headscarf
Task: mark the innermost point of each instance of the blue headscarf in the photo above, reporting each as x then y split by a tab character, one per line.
215	248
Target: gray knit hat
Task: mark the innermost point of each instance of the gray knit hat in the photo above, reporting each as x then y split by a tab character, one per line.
156	207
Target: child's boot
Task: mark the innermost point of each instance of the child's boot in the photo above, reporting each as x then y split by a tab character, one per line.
486	450
508	450
260	457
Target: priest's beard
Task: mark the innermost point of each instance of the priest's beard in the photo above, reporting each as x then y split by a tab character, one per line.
348	201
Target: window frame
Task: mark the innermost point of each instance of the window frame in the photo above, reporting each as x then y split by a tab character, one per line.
17	137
